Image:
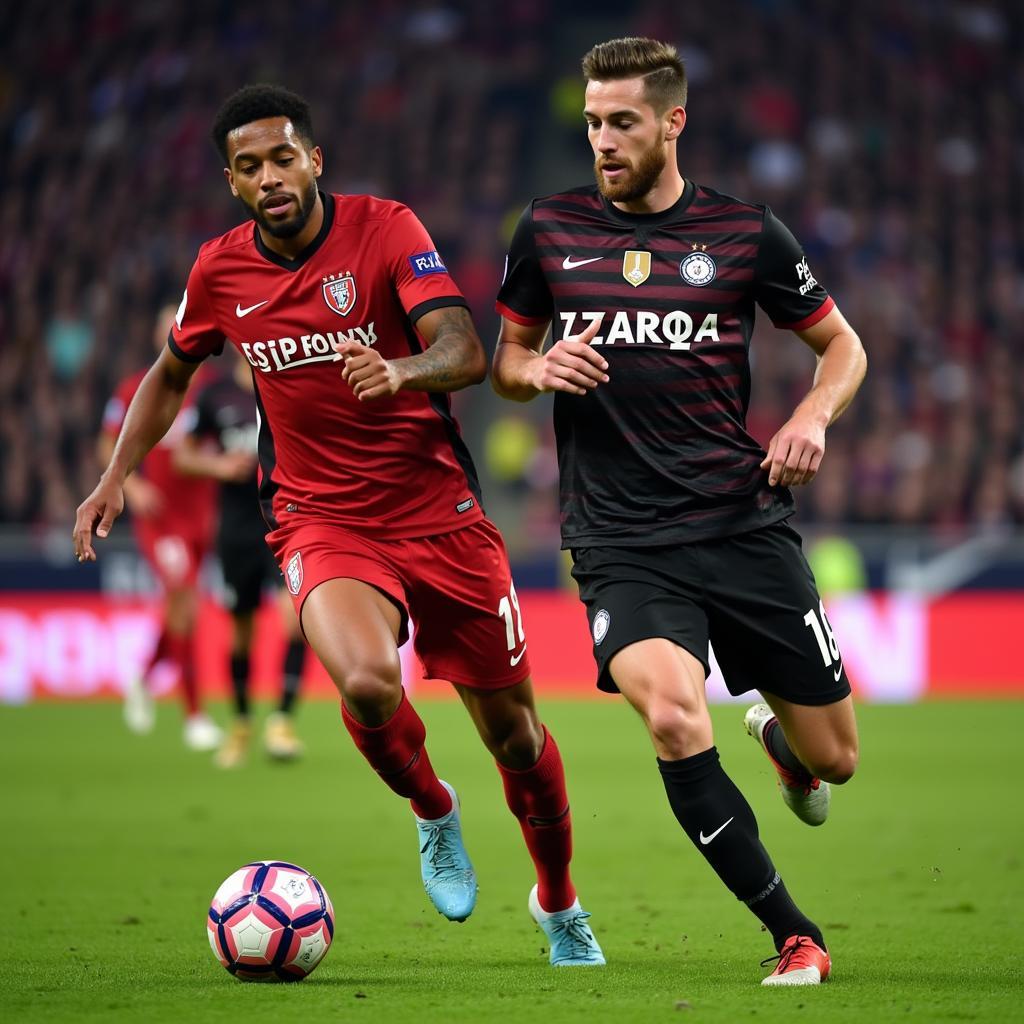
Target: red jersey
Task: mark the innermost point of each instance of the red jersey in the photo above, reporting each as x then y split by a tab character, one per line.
395	467
190	500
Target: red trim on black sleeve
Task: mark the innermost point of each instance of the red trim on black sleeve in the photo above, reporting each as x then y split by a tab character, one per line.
518	318
809	321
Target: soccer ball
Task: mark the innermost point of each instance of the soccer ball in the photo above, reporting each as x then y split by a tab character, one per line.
270	921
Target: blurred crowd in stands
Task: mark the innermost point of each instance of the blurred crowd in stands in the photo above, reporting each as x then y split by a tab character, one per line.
887	136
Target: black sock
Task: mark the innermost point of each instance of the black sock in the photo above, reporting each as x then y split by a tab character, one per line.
240	682
775	741
294	658
720	823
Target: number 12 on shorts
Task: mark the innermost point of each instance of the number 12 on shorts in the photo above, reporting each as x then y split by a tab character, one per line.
822	628
505	608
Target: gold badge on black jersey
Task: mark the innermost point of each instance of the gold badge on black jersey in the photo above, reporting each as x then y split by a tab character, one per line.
636	267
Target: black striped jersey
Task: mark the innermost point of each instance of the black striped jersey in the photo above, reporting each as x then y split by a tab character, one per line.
226	416
660	454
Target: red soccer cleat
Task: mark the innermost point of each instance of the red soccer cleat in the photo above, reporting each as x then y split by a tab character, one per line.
801	962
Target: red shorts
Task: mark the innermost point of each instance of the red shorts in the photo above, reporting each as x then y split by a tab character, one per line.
173	557
456	587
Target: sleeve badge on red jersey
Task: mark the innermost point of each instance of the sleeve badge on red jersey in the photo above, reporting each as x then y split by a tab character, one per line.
424	263
293	572
340	293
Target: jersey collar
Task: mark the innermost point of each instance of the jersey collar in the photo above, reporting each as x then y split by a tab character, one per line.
653	219
296	264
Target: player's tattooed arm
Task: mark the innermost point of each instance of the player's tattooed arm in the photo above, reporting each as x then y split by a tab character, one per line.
454	359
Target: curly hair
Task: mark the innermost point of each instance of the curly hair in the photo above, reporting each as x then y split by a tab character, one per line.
255	102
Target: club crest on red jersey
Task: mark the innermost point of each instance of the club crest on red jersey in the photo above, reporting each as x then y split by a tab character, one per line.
340	293
293	573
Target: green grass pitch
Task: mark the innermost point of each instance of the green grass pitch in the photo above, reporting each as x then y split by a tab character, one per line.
112	846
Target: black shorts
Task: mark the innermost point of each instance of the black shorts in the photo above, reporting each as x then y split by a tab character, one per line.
248	568
752	595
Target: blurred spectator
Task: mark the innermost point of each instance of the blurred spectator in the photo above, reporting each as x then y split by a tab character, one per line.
69	335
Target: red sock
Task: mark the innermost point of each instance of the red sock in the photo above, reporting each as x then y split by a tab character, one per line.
538	799
396	753
159	653
179	650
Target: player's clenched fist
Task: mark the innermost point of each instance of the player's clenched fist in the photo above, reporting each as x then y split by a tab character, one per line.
571	365
104	505
367	372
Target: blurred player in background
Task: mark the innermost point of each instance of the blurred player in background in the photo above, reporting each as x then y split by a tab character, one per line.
675	517
225	414
172	517
357	333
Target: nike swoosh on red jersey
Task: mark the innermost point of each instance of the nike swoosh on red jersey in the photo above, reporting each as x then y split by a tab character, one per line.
239	312
570	264
516	658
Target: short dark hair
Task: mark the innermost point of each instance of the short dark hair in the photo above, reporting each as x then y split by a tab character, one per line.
256	102
634	57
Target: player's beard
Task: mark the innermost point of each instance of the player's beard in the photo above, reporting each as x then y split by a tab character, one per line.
291	227
637	181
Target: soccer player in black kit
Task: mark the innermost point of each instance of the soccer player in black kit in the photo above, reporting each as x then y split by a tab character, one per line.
225	415
676	519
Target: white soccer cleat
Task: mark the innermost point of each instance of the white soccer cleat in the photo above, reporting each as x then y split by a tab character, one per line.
139	707
202	733
807	797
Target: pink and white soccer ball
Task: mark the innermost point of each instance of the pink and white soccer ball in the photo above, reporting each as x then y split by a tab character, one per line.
270	921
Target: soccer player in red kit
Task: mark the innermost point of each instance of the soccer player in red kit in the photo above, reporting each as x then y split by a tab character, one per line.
355	333
172	516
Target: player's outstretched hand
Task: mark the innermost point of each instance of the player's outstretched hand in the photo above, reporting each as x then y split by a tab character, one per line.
571	365
366	371
104	505
795	452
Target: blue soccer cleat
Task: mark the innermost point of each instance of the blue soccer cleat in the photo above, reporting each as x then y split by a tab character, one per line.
448	876
572	942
